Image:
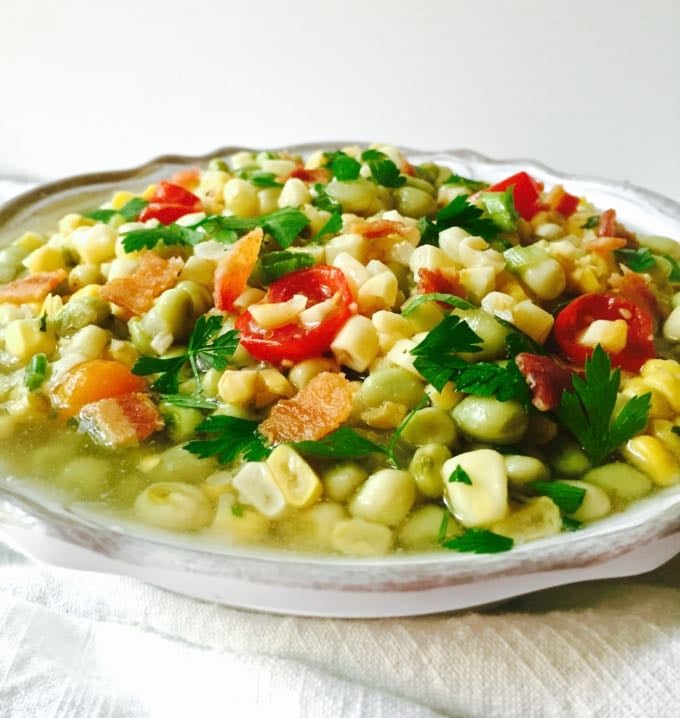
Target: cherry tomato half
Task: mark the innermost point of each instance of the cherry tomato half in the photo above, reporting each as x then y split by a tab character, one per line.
296	342
526	193
577	316
170	202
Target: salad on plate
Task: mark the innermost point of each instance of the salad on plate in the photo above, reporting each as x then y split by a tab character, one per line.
343	354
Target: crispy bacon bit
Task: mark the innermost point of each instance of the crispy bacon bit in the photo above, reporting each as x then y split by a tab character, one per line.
407	168
379	228
609	227
444	280
137	292
121	421
317	409
545	377
33	288
233	270
321	174
634	287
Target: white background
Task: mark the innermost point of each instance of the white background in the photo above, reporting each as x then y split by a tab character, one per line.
587	87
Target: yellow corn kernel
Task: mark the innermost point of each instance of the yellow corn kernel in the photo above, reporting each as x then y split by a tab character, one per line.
303	372
120	199
386	416
378	292
70	222
92	290
446	399
663	431
24	338
276	314
29	407
356	344
508	284
45	259
353	244
123	352
149	192
30	241
478	281
237	386
95	244
664	376
637	386
271	385
295	477
652	457
532	320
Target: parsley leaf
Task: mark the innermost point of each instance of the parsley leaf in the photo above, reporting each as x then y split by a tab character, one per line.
343	167
443	526
472	185
233	437
674	276
204	349
333	226
129	211
460	476
639	260
149	237
36	372
259	178
383	170
450	299
570	524
324	201
400	430
460	213
568	498
429	234
237	510
189	401
488	379
479	541
435	355
592	222
343	443
275	265
587	411
517	342
676	430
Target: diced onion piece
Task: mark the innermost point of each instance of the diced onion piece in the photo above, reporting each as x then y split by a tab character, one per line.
611	335
294	476
277	314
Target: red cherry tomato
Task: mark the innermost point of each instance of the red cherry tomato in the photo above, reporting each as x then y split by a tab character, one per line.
296	342
567	204
170	202
578	315
526	192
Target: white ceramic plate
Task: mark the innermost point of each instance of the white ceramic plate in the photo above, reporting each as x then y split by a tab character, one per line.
638	540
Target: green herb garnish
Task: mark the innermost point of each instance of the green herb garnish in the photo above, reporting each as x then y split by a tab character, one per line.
190	401
343	167
171	234
324	201
343	443
500	206
639	260
129	211
570	524
275	265
568	498
587	411
332	227
383	169
400	430
36	372
460	213
459	475
450	299
479	541
237	510
488	379
443	526
592	222
233	437
472	185
204	349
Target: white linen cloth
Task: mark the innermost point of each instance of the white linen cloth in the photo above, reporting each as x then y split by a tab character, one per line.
83	645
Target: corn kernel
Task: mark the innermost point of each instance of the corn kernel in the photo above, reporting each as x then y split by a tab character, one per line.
652	457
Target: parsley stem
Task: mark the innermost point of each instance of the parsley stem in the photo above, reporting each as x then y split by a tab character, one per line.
399	430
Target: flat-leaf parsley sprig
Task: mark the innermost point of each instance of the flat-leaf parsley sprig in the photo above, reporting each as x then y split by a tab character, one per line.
587	411
206	349
231	437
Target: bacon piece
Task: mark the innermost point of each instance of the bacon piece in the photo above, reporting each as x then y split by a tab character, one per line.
188	178
444	280
33	288
137	292
316	410
321	174
379	228
609	227
122	420
234	269
545	377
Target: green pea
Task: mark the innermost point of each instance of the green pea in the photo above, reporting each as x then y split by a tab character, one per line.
180	421
485	419
426	468
492	333
421	184
139	336
84	477
430	425
176	464
355	196
414	202
10	262
342	480
384	197
393	384
568	459
524	469
80	313
621	481
421	528
428	171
